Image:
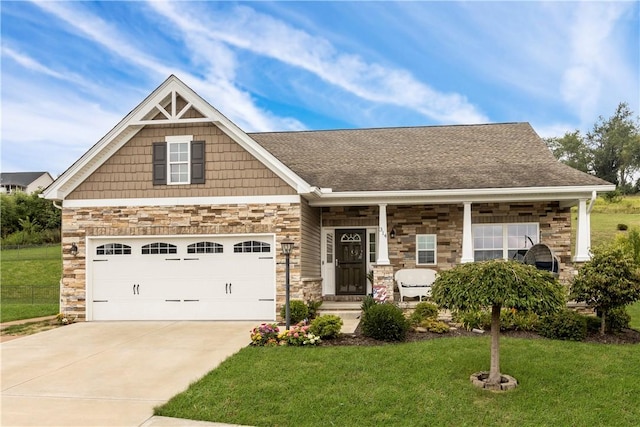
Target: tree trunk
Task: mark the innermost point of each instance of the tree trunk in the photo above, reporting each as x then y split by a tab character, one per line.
602	326
494	372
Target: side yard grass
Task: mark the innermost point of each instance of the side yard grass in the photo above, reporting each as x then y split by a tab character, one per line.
421	383
30	282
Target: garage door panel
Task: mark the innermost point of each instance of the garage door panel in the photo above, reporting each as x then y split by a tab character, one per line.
219	285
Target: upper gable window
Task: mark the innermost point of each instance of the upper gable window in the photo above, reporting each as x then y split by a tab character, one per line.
178	160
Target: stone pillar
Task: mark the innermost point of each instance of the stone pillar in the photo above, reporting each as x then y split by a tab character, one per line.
467	235
383	276
583	233
383	244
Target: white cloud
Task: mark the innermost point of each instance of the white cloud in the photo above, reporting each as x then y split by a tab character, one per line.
217	86
595	68
246	29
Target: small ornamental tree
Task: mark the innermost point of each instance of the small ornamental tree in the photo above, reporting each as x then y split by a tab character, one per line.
609	280
498	284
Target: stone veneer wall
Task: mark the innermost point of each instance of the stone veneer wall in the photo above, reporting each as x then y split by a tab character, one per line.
79	223
446	222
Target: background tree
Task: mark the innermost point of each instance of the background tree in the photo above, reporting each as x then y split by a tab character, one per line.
497	284
572	150
611	150
610	280
615	144
20	210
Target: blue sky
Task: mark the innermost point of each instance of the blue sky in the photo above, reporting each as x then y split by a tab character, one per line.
71	70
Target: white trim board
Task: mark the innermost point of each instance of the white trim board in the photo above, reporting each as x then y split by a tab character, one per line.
181	201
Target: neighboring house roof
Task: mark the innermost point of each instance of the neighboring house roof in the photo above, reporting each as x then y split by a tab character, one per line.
423	158
21	179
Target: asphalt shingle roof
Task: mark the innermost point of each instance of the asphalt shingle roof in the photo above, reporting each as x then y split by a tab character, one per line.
19	178
423	158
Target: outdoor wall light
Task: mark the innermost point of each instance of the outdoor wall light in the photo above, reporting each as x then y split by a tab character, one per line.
287	247
74	249
392	234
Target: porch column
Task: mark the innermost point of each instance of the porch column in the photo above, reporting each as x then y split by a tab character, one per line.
467	235
383	245
583	233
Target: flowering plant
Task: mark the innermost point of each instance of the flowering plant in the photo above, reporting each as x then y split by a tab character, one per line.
268	334
298	335
65	319
265	334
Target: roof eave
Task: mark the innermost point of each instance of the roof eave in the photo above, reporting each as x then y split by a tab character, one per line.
482	195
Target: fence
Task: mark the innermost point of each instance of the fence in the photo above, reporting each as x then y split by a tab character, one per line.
30	252
30	294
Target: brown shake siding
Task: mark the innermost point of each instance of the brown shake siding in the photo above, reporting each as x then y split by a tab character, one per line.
229	170
310	250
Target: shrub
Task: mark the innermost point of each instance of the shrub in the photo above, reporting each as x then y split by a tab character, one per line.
473	319
312	307
435	326
617	319
623	227
385	322
298	311
367	303
514	320
326	326
564	325
423	311
265	334
609	280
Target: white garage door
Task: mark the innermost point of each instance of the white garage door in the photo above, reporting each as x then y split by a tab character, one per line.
181	278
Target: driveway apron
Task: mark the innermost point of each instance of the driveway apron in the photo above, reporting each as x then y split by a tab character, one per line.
108	373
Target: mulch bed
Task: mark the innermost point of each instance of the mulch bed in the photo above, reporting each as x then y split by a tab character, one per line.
627	336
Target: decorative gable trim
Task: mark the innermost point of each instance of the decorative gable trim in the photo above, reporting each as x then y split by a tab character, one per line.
165	106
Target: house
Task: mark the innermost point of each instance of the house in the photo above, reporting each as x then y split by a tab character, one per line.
177	213
26	182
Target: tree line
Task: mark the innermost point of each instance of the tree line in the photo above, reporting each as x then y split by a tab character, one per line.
611	150
27	219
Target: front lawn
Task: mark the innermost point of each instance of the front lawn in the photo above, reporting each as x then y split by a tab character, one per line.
420	383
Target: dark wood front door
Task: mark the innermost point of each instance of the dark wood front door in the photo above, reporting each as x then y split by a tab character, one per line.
351	262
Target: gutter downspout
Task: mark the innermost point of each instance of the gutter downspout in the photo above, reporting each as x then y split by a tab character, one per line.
594	195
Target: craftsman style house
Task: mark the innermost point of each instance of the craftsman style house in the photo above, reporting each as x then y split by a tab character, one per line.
177	213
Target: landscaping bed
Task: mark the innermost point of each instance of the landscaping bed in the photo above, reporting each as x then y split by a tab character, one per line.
626	336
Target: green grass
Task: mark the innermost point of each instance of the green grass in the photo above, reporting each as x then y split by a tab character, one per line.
606	216
634	312
416	384
30	278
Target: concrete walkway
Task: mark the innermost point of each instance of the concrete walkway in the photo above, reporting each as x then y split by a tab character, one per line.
110	373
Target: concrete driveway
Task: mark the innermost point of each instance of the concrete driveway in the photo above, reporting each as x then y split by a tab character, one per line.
109	373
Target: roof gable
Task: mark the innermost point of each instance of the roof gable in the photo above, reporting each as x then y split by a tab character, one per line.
172	102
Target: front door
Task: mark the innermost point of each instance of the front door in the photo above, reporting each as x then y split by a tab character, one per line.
351	262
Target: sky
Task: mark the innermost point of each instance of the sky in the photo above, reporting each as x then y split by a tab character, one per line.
70	71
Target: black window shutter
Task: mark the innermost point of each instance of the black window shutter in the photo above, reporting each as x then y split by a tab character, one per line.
159	163
197	162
